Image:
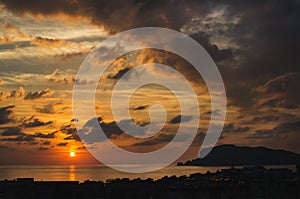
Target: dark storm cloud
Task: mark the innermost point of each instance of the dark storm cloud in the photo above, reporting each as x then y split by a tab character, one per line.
35	95
16	93
138	108
33	142
267	118
268	46
273	45
164	137
281	129
34	122
266	34
264	44
42	135
74	120
90	130
119	74
15	134
159	139
21	93
43	148
231	128
114	16
216	112
12	131
112	129
68	129
282	91
46	143
175	61
21	138
71	132
6	114
47	109
180	118
62	144
264	40
259	64
73	136
212	49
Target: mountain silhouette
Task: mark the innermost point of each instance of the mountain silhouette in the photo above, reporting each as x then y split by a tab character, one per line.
231	155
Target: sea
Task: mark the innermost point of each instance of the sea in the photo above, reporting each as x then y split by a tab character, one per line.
101	173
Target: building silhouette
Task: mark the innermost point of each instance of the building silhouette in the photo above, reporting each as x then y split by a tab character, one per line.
248	182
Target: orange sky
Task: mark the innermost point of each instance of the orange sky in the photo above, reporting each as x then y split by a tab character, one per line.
41	50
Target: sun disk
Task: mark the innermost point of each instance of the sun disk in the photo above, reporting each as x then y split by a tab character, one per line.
72	154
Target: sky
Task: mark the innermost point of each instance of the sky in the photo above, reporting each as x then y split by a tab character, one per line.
255	45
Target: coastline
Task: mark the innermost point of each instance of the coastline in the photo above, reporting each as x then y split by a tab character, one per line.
247	182
102	173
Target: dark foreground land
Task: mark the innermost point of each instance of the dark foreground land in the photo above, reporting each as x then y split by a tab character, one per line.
249	182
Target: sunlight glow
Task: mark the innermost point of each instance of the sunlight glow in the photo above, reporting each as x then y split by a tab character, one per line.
72	154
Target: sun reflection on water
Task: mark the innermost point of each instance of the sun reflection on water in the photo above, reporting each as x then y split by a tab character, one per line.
72	176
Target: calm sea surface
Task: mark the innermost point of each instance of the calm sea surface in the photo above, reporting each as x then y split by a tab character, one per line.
96	172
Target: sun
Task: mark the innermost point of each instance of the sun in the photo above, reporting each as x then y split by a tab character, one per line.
72	154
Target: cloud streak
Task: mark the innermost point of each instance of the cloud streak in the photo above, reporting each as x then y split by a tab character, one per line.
6	114
36	95
107	14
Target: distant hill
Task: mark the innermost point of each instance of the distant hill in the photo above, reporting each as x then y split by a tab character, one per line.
231	155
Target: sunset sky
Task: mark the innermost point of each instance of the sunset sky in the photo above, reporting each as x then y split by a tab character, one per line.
255	45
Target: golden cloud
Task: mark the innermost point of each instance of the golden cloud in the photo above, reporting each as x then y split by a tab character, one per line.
11	33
